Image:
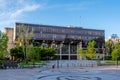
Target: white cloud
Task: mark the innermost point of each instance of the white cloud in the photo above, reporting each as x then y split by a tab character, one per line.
7	22
27	8
12	10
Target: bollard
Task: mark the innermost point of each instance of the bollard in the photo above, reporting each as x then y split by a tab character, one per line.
53	66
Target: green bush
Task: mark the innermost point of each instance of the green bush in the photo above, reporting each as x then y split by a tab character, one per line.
0	62
108	57
17	52
33	53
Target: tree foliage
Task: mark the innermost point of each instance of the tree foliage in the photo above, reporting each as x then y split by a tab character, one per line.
91	51
33	53
81	53
24	35
3	44
115	54
109	46
116	51
17	52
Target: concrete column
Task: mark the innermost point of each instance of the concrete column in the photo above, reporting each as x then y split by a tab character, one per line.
69	51
77	51
60	51
79	45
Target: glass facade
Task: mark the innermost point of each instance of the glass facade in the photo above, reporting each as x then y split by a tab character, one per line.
58	34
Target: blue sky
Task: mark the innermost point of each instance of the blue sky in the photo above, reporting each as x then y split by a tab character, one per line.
95	14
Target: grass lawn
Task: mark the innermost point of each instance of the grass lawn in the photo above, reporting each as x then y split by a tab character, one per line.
110	62
35	63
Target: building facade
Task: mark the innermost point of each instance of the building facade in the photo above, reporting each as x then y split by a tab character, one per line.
9	32
67	40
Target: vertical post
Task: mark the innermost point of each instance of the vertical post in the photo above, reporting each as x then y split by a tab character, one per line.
57	56
69	51
103	54
26	54
117	61
56	47
41	34
57	60
103	51
77	51
60	51
98	56
79	46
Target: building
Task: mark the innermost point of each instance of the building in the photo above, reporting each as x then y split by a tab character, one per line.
9	32
114	38
66	40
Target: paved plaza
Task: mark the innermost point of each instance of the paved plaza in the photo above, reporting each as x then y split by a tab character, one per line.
79	75
47	73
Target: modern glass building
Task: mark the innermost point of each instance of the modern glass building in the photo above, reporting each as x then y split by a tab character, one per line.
67	40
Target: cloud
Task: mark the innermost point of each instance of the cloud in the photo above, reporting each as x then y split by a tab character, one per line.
12	10
27	8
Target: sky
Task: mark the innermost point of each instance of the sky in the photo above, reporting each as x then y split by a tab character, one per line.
93	14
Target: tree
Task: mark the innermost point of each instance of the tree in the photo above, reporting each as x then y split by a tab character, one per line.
31	54
115	54
38	53
50	52
116	51
24	36
81	53
91	51
109	46
3	44
17	52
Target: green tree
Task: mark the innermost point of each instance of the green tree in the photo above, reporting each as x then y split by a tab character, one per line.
3	44
81	53
17	52
31	54
115	54
109	46
91	51
50	52
46	53
116	51
34	53
38	53
24	37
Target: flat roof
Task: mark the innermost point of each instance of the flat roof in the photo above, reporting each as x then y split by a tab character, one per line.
73	27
